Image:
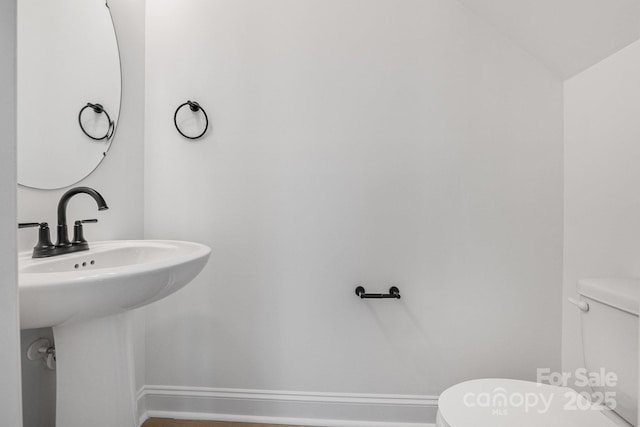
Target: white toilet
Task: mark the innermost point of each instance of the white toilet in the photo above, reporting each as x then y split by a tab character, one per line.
610	340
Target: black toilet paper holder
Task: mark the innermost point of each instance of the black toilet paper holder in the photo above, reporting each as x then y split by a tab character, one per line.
394	293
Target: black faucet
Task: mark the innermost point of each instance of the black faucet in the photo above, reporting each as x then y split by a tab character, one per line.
63	234
45	248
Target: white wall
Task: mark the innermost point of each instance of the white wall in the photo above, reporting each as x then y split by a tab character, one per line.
10	409
602	201
120	177
352	142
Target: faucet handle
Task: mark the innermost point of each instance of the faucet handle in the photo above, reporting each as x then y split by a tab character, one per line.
85	221
44	245
29	224
78	232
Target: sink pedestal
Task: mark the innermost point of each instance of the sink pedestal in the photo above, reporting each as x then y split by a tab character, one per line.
95	373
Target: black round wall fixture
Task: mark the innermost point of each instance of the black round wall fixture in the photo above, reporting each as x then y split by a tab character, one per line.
195	107
98	109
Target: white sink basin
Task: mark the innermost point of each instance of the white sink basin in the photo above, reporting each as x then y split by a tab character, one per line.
110	278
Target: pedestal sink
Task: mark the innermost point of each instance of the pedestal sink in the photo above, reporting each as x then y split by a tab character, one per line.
85	297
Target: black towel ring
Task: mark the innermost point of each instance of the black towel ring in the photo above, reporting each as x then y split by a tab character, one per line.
195	107
98	109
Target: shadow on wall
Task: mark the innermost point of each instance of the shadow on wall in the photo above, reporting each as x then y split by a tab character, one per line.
412	345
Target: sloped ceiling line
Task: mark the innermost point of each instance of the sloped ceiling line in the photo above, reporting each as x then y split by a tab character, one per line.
567	36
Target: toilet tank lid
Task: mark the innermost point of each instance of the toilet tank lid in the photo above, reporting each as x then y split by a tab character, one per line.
623	294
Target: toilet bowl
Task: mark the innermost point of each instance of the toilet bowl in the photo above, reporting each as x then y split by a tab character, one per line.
609	322
515	403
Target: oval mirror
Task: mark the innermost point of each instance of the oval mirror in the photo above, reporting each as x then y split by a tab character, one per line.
69	88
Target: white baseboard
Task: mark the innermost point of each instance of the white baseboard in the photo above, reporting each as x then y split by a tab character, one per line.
284	407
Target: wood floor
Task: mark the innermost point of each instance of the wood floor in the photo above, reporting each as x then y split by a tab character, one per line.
167	422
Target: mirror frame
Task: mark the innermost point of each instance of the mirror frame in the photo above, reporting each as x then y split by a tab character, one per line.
115	124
